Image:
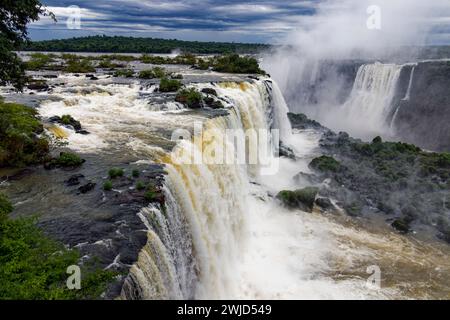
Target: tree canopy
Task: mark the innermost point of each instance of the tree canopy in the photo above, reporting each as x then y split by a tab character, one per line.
142	45
15	15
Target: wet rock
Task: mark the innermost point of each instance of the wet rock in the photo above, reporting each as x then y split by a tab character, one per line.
74	180
38	86
286	152
54	119
19	175
217	104
69	121
401	225
307	178
87	188
51	165
325	204
301	122
209	91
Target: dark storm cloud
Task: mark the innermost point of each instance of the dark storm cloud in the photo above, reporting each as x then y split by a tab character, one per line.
219	20
239	20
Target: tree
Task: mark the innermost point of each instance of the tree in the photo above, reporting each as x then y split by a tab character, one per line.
15	15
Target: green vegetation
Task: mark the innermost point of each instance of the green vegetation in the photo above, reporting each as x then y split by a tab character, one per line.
147	74
124	73
436	164
325	164
68	160
39	61
116	57
107	186
14	18
191	98
303	199
135	173
140	186
153	59
5	207
236	64
79	65
385	150
169	85
20	143
159	72
150	196
182	59
141	45
156	72
68	120
115	173
108	64
231	63
33	266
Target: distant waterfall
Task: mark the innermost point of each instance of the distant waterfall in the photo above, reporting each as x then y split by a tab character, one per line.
280	110
195	242
411	79
371	100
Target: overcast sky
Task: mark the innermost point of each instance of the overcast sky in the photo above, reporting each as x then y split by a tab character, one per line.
204	20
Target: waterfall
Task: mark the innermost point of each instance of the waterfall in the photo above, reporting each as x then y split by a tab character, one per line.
366	112
239	243
411	79
406	98
165	268
280	117
214	201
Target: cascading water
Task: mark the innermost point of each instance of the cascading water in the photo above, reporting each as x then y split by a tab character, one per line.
406	98
370	102
361	103
243	244
410	83
213	198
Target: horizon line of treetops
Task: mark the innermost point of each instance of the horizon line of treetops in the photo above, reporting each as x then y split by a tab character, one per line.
121	44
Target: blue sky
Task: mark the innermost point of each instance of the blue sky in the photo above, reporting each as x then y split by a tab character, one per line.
203	20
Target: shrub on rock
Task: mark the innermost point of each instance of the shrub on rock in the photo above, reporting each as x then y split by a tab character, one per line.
191	98
302	199
68	159
20	141
168	85
325	164
107	186
115	173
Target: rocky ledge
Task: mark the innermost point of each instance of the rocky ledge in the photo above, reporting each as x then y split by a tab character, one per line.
406	185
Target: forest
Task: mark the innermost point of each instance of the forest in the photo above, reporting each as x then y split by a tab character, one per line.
141	45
